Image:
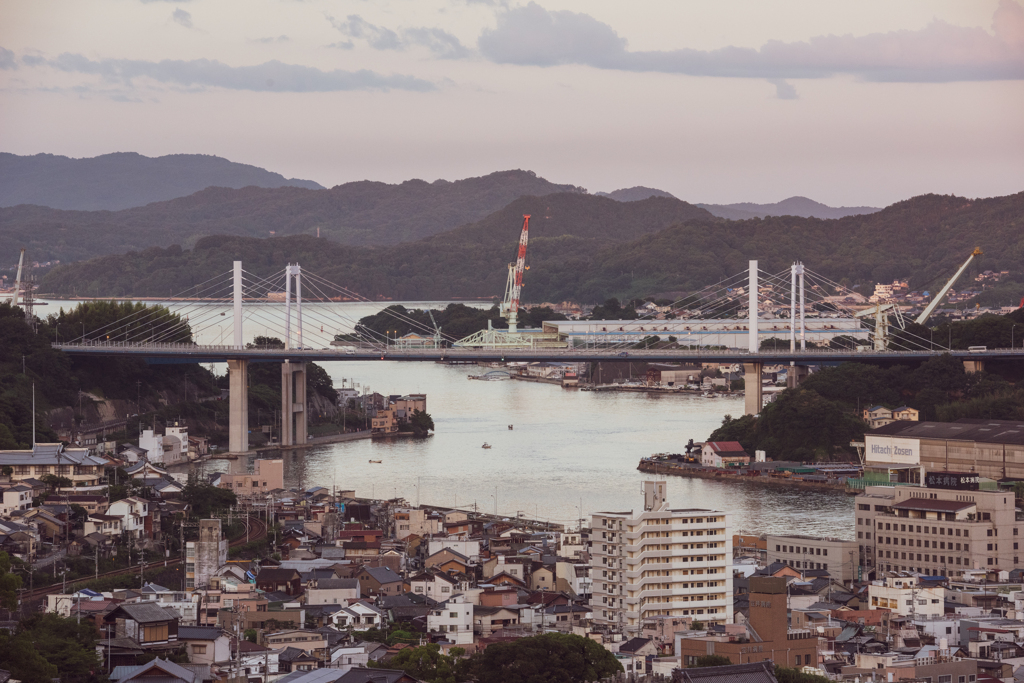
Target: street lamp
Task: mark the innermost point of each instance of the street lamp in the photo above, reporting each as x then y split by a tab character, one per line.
1012	329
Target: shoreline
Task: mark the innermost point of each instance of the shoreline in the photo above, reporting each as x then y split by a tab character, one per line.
707	473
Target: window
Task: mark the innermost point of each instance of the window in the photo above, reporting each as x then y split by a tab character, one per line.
199	649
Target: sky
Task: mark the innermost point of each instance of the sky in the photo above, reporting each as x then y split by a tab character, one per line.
849	102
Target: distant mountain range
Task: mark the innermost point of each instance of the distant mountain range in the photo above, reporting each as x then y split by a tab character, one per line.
588	248
124	180
794	206
360	213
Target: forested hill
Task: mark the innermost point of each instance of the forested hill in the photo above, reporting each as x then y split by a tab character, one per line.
360	213
565	231
123	180
587	248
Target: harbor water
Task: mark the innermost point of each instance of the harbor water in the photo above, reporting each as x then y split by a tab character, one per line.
570	453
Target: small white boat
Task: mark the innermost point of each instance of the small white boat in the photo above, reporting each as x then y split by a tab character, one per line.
376	461
486	445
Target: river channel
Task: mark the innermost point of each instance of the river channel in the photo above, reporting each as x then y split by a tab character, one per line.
569	453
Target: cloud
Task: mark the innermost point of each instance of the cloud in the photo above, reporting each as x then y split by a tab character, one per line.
271	39
7	60
441	43
182	17
941	52
273	76
783	90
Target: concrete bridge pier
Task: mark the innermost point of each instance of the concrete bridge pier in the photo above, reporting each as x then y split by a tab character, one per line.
974	365
238	405
293	404
796	375
752	388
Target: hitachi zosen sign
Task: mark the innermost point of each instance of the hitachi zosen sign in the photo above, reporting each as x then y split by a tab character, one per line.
888	449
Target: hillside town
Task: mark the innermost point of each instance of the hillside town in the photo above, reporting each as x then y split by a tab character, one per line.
324	584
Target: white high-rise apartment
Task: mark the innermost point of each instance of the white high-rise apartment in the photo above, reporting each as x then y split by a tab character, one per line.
662	562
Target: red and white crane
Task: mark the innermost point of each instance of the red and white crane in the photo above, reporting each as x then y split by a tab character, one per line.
510	306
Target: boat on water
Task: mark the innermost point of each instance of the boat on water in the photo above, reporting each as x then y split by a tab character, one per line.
486	445
376	461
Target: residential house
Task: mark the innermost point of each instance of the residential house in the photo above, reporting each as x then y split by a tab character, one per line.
147	622
906	413
448	560
162	670
332	591
135	516
205	644
274	579
311	642
376	581
16	497
542	578
360	615
435	585
107	525
488	620
878	416
638	650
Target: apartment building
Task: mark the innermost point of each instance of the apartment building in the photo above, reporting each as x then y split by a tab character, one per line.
936	532
837	557
661	562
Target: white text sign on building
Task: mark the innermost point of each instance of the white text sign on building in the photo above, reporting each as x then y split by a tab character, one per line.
891	450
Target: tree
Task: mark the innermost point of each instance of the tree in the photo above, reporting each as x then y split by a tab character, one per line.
561	657
429	664
67	650
9	584
204	498
711	660
421	422
784	675
55	482
250	635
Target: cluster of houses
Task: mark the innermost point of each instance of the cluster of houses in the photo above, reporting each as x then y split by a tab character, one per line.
345	584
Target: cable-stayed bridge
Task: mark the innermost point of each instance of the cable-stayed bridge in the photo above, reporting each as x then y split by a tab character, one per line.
754	318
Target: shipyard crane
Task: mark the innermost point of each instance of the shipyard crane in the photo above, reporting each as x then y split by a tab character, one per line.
437	330
942	292
17	280
510	306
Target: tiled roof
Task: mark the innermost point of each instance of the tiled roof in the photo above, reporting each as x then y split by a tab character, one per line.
725	446
759	672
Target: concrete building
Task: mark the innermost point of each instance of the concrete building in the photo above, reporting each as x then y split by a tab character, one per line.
454	618
410	521
908	449
765	636
728	332
204	557
266	476
661	562
906	595
935	531
332	591
170	448
839	558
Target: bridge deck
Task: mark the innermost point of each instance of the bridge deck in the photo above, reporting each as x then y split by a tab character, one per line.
190	353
